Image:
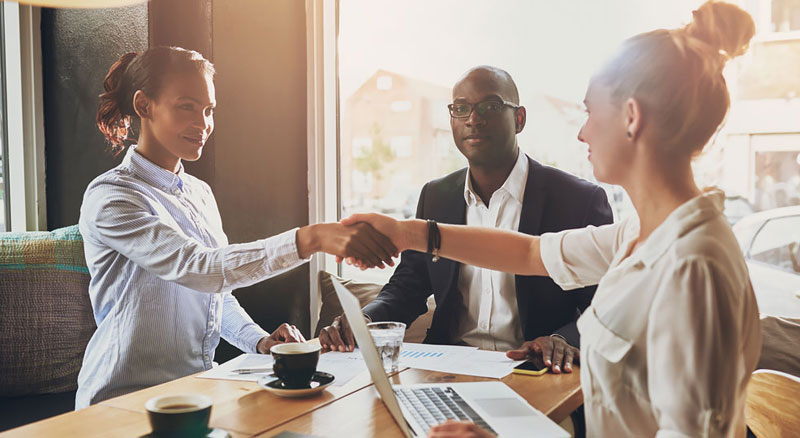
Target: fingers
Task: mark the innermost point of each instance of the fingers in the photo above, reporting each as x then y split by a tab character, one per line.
546	345
354	219
370	238
330	340
289	333
569	356
558	355
359	249
458	429
385	245
523	352
347	333
519	354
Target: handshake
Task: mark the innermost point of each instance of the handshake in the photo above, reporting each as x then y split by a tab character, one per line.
364	240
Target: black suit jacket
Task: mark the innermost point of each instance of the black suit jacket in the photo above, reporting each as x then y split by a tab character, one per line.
553	201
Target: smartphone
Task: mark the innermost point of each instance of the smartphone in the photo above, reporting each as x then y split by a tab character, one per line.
529	368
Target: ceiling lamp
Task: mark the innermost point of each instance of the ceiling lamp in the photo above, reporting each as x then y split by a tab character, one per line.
79	4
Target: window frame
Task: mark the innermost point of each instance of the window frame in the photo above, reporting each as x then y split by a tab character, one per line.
324	163
4	125
24	159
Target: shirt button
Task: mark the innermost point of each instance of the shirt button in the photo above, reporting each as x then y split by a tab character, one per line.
176	192
485	326
164	188
284	263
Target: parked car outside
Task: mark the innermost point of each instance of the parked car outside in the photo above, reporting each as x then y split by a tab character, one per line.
770	242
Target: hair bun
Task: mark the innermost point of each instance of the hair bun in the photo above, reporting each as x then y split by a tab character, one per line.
723	26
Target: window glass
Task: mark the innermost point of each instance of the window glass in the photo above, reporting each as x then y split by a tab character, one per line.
778	244
399	60
785	15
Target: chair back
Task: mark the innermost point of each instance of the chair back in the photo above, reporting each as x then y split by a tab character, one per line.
773	404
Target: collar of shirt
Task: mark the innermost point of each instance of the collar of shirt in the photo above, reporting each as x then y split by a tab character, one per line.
152	173
514	184
685	218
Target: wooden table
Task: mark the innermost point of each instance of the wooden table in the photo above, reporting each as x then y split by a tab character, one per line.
244	410
362	414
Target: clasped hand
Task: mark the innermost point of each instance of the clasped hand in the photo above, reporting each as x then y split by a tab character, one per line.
353	240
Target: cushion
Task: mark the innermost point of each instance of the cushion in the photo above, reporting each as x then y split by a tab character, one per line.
779	349
365	292
46	317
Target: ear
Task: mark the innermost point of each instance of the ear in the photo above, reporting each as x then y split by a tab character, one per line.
142	105
520	118
633	118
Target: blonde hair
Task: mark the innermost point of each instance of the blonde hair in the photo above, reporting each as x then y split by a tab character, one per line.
676	75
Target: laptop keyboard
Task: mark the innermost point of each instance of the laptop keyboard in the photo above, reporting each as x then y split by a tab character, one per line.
432	406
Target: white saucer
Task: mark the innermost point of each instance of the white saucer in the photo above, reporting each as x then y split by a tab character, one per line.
319	382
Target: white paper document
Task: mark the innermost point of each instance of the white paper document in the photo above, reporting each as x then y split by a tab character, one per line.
258	365
251	367
457	360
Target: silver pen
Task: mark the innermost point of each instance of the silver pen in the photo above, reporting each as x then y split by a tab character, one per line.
251	370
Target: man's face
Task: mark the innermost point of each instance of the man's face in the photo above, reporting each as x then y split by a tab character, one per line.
488	139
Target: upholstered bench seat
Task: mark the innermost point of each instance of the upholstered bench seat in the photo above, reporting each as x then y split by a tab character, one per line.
45	323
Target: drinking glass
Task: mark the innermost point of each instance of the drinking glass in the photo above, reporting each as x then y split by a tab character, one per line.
388	337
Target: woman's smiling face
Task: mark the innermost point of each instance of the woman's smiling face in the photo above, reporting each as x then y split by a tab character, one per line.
182	117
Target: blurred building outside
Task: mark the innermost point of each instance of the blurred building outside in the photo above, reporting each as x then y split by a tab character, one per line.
396	136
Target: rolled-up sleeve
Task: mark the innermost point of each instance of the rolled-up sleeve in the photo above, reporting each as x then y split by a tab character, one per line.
579	258
123	220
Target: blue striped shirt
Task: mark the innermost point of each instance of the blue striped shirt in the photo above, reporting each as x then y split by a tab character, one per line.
162	273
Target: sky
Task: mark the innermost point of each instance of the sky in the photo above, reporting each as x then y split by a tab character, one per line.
548	46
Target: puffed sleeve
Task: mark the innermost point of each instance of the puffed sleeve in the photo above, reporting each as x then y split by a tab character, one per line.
579	258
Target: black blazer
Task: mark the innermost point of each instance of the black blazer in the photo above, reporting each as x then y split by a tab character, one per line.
553	201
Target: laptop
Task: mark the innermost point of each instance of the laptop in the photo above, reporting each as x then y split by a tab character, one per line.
416	408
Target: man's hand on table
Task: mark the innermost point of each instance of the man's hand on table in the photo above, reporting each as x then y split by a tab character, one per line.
337	336
284	334
550	351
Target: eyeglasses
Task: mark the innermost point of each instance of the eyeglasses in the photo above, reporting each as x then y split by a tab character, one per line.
485	108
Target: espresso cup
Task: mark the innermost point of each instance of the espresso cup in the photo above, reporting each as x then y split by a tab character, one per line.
295	364
183	416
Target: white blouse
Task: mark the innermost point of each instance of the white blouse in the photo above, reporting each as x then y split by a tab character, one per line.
672	335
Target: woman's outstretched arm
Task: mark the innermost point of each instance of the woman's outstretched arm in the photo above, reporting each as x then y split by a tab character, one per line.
494	249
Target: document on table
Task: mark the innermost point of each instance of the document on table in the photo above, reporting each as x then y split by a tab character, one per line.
259	365
343	366
457	360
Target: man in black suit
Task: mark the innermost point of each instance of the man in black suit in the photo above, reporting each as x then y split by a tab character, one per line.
501	188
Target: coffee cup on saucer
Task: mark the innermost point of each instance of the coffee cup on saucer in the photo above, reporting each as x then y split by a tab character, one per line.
295	363
184	415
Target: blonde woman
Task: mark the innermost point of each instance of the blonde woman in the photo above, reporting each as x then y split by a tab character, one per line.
672	334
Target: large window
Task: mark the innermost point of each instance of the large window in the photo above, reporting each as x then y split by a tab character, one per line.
397	62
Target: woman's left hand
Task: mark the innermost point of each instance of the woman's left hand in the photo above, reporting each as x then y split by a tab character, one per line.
284	334
458	429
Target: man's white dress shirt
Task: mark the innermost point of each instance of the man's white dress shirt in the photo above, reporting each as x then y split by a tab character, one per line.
162	273
490	316
672	334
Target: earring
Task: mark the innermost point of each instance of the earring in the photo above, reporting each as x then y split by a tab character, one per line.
629	134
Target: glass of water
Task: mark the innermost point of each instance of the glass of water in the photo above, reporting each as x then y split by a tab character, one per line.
388	337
